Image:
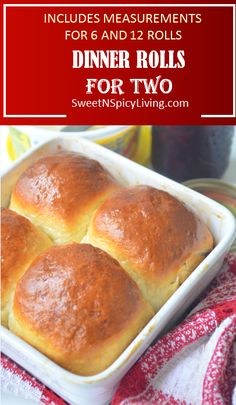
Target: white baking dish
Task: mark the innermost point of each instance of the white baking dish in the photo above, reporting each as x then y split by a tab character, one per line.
100	388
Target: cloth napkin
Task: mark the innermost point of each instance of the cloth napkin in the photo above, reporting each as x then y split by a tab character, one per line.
195	364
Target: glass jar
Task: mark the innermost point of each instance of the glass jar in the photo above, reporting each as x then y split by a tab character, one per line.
188	152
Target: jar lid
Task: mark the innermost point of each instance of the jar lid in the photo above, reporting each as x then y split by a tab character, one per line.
220	191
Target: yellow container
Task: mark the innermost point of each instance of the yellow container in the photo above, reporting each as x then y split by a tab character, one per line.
132	141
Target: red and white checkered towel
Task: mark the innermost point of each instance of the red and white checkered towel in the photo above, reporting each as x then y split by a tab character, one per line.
195	364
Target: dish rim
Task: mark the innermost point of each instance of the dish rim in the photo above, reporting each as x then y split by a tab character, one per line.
218	250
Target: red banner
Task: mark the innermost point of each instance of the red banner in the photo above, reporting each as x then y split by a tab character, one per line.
118	64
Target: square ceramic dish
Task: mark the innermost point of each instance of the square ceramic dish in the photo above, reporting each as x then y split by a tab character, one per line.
100	388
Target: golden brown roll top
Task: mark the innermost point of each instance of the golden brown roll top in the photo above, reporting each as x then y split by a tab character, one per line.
155	237
79	307
60	192
21	242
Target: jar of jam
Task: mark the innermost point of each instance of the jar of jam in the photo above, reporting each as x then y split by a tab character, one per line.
188	152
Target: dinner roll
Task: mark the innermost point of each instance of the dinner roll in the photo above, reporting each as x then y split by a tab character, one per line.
154	236
60	192
21	242
79	307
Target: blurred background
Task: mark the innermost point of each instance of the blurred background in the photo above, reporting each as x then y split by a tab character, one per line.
179	152
201	157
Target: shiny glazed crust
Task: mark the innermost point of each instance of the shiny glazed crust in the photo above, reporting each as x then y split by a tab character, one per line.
60	192
154	236
79	307
21	242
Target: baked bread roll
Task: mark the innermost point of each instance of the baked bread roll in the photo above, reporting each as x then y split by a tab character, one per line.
60	192
79	307
21	242
154	236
